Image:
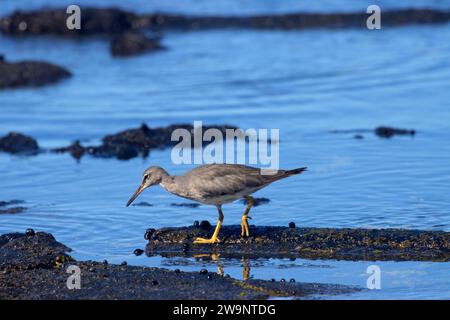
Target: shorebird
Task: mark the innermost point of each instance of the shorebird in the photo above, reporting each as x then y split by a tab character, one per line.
214	184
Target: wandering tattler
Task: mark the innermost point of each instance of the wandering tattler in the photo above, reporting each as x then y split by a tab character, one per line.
214	184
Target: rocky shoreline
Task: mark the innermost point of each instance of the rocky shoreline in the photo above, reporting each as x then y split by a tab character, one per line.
111	21
34	266
308	243
124	145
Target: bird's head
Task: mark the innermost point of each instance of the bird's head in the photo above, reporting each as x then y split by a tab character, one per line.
151	176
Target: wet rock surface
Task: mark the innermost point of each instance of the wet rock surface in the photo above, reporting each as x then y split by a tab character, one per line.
310	243
115	21
18	143
34	267
134	43
30	74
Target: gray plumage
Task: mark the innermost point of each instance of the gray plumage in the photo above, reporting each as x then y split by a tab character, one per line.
213	184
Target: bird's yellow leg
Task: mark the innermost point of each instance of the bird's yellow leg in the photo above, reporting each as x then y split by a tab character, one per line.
244	220
214	238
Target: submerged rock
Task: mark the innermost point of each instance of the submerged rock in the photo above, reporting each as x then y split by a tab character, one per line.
30	73
381	131
17	143
257	201
134	43
34	267
310	243
186	205
75	150
388	132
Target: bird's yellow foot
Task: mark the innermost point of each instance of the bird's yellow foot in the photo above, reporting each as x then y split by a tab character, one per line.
244	227
206	241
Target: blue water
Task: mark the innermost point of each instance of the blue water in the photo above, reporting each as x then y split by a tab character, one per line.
305	83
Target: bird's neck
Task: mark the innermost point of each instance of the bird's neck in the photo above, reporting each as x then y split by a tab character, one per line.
168	182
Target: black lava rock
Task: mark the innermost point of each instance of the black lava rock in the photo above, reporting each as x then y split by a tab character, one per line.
30	232
76	150
292	225
133	43
53	22
388	132
30	73
196	224
205	225
138	252
203	271
148	233
292	280
17	143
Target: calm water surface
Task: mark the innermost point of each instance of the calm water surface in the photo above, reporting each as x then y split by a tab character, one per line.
305	83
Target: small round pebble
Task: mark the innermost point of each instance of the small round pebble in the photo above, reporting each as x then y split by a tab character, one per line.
196	224
30	232
205	225
292	280
177	270
138	252
292	225
155	283
124	263
203	271
283	280
209	277
273	280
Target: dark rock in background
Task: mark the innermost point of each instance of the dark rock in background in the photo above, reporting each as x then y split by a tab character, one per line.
53	22
17	143
134	43
388	132
30	73
114	21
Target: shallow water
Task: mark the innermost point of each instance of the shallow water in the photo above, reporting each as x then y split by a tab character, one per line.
305	83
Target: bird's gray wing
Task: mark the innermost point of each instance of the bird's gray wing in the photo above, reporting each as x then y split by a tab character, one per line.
219	180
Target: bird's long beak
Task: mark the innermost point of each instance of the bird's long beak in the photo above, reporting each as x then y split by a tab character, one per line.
136	194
